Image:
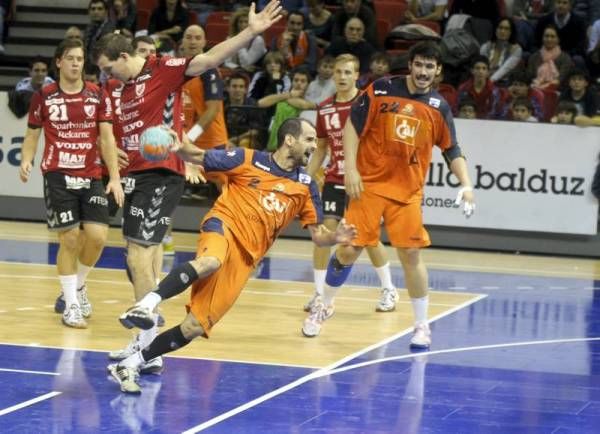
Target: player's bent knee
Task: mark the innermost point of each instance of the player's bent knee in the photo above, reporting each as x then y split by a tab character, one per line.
69	239
347	254
191	328
206	265
410	257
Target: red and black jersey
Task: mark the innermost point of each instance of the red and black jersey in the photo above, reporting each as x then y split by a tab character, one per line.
150	99
331	118
70	123
397	132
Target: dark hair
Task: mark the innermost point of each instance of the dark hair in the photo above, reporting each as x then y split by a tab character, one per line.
467	102
480	59
111	45
426	49
524	102
566	106
577	72
512	39
519	76
380	56
104	3
292	127
146	39
237	75
38	59
302	71
68	44
296	12
326	59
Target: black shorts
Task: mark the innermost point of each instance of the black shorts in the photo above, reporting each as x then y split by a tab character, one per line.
150	200
112	205
334	200
71	200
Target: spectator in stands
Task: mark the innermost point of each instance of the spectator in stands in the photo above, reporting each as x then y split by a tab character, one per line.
379	67
249	56
320	22
288	104
571	30
297	46
565	113
446	90
467	109
584	97
522	110
8	11
38	76
123	14
355	9
593	50
550	65
286	5
74	32
272	80
99	24
242	116
430	10
169	18
484	14
503	51
144	46
525	14
322	87
354	43
488	98
518	87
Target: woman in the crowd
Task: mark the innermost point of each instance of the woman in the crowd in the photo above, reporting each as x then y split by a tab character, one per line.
549	65
503	51
247	57
170	18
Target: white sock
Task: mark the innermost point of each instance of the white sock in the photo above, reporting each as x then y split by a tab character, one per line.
147	336
68	283
329	294
385	275
319	280
82	274
133	361
150	301
420	306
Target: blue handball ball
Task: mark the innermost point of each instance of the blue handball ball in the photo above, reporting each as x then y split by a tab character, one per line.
154	143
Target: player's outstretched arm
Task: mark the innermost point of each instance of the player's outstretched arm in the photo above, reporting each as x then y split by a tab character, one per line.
257	23
459	168
28	150
186	150
344	234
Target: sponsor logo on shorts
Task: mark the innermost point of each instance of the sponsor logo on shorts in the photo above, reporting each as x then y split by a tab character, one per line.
98	200
129	184
77	183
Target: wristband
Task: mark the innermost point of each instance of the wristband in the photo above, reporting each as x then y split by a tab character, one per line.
195	132
462	190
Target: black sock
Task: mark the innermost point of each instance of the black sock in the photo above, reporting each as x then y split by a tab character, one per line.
177	281
164	343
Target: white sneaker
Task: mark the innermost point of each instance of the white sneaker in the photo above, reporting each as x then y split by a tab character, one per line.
126	377
314	321
84	302
154	366
421	338
309	305
388	300
132	347
72	317
137	316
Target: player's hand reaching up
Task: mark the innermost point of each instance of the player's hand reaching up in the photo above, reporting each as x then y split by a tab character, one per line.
345	233
353	183
465	194
260	22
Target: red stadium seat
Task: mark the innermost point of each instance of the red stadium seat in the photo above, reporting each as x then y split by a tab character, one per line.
275	30
383	30
143	18
148	5
218	17
216	32
391	11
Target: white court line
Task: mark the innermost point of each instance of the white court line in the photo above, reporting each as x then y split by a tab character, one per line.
28	403
22	371
319	373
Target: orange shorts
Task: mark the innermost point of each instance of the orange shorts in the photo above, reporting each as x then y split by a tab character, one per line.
403	221
213	295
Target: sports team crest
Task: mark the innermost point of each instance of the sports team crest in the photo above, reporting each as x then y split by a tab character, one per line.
89	110
139	89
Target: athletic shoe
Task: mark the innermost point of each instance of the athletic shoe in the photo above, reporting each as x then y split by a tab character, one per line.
82	298
126	377
72	317
132	347
421	338
387	302
314	321
154	366
168	247
137	316
84	302
309	305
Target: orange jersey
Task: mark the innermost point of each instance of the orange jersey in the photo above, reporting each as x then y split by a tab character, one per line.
196	92
397	132
260	199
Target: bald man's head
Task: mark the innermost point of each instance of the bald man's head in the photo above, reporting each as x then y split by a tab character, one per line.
354	30
193	41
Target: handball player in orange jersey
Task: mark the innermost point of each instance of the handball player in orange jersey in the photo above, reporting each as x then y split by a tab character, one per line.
264	192
388	143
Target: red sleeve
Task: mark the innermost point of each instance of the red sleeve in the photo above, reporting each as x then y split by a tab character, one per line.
105	113
36	119
172	70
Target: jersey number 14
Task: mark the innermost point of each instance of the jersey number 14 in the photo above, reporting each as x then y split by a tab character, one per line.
332	121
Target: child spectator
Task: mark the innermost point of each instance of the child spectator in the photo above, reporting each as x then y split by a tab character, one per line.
379	67
522	110
565	113
322	87
489	98
518	87
272	80
467	109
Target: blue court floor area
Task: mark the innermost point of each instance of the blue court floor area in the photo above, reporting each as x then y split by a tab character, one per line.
524	359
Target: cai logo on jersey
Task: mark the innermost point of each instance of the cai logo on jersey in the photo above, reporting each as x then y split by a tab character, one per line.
272	204
406	129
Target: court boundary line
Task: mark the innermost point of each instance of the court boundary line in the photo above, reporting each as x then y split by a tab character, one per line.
24	371
320	372
24	404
